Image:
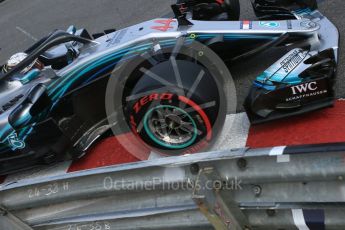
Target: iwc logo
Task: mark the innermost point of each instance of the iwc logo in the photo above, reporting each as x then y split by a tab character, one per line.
310	86
305	90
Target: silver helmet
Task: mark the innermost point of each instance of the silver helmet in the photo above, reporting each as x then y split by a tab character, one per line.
14	60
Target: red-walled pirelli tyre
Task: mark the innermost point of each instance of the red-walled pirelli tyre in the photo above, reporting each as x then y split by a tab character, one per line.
174	114
170	101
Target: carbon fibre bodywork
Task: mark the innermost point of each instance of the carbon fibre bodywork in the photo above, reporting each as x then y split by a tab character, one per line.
52	115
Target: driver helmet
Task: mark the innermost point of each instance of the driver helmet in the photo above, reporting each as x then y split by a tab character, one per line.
15	59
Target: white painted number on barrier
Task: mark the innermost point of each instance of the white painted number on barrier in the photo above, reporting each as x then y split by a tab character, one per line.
48	190
93	226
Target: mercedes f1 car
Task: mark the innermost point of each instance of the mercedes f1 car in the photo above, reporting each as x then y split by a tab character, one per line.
170	85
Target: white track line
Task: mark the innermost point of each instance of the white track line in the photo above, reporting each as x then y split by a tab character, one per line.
29	35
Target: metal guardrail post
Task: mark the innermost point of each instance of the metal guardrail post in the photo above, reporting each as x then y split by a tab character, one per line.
222	215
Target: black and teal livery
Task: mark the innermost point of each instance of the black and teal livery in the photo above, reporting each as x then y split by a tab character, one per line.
58	112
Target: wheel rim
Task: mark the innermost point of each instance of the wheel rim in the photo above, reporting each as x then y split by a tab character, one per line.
170	127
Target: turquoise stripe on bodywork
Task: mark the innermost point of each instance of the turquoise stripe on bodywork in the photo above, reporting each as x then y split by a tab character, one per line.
56	92
89	67
268	80
66	77
23	120
280	78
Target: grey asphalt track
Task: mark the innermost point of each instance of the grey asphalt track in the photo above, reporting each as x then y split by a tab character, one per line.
24	21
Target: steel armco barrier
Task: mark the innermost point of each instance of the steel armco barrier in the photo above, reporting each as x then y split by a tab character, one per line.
278	188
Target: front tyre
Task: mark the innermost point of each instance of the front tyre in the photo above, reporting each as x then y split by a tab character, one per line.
171	99
176	114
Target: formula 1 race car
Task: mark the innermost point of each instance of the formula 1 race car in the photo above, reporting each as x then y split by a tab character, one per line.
164	80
